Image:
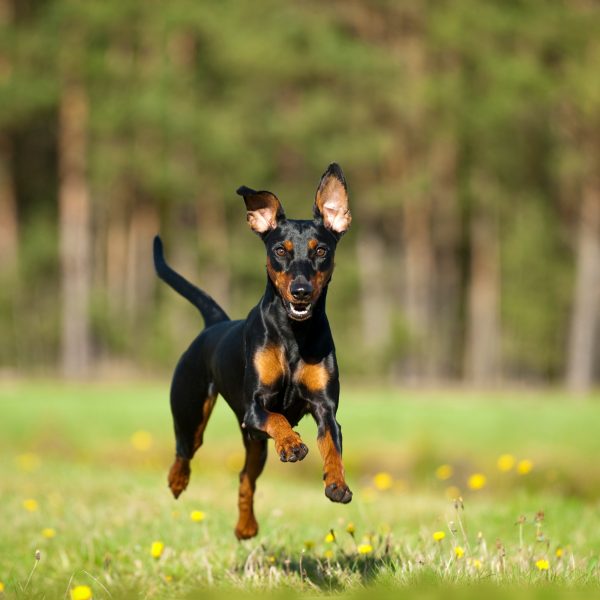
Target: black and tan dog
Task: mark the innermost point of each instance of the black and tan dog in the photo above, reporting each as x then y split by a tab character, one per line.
279	363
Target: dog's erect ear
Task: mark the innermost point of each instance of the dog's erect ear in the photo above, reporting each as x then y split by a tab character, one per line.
331	202
264	209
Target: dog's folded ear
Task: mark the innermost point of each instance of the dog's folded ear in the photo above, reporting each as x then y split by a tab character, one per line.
264	211
331	201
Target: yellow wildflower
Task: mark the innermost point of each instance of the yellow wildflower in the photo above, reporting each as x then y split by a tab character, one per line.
48	532
81	592
350	528
542	564
141	440
559	552
477	481
477	564
30	505
197	516
524	466
364	548
383	481
157	549
444	472
330	537
168	578
1	587
459	552
328	554
309	545
271	559
28	461
438	536
506	462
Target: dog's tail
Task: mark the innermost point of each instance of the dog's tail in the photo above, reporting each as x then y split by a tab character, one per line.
209	309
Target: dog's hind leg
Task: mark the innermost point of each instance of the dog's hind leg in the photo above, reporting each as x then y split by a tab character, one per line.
256	456
192	400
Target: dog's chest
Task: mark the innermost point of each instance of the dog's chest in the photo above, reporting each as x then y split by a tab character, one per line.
299	383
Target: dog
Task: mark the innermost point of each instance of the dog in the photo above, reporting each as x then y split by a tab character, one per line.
278	364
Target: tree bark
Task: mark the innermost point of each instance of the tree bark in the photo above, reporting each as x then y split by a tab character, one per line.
419	269
75	234
483	327
140	278
586	300
213	241
374	286
9	229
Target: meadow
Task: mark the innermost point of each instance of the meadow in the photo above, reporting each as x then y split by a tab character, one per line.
457	492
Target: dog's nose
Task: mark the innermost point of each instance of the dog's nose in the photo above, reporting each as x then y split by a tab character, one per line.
301	289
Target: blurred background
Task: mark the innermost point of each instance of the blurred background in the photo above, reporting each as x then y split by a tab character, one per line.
469	133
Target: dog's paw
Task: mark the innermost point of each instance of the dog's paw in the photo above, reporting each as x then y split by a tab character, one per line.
179	476
338	493
291	449
247	529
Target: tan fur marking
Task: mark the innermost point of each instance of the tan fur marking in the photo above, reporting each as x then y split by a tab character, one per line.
320	280
270	364
279	428
281	280
333	468
312	244
247	526
288	245
314	377
207	408
179	475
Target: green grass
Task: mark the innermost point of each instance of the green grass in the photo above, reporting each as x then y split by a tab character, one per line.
69	448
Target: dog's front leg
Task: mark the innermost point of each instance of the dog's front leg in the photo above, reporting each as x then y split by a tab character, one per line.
288	444
329	440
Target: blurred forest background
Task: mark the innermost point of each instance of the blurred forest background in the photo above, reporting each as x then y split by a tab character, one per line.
469	133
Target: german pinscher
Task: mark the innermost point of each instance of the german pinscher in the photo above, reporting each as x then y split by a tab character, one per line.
279	363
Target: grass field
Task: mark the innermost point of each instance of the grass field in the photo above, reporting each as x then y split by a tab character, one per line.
83	480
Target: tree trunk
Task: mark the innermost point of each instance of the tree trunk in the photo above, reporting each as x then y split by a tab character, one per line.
213	242
483	328
140	276
75	234
9	230
586	301
374	286
419	268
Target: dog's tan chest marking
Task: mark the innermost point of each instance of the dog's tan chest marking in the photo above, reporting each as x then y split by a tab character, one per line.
270	364
313	377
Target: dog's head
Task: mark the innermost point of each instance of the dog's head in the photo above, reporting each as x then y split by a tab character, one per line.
300	253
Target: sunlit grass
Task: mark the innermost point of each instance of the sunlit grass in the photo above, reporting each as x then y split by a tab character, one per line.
91	497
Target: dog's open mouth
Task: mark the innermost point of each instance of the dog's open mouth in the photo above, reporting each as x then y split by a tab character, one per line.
299	311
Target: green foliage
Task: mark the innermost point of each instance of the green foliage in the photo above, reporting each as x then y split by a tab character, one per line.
454	109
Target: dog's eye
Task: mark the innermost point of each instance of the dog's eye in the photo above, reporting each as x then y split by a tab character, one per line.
321	252
280	251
